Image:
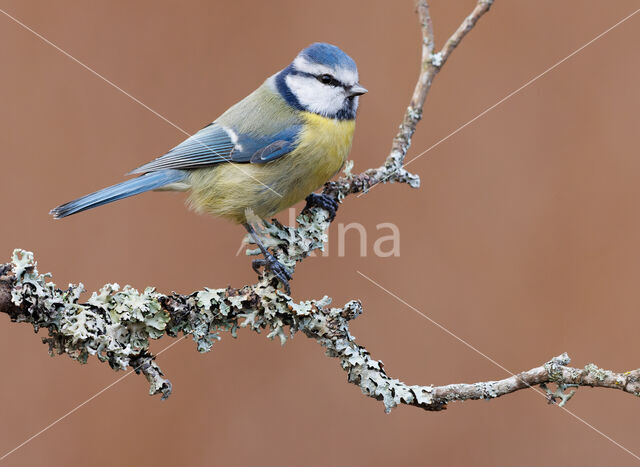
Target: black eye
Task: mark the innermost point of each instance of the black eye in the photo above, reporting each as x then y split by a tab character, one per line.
328	79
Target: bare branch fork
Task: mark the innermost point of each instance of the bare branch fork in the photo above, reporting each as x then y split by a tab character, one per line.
115	325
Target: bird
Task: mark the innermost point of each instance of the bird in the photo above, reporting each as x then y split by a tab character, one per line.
264	154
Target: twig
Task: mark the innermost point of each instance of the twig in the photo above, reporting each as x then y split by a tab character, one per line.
431	63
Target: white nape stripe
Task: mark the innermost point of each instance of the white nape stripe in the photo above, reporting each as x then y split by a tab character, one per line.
344	75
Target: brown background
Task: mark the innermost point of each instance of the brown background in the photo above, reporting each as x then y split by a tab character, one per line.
522	240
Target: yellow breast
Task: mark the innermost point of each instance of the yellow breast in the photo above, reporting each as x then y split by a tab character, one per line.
325	144
323	147
227	190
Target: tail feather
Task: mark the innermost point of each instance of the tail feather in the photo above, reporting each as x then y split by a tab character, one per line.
146	182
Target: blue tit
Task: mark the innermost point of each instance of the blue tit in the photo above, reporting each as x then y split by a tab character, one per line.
269	151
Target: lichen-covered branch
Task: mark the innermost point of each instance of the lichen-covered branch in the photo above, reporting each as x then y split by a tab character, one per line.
116	326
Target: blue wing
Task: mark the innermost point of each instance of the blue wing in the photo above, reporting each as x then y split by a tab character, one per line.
216	143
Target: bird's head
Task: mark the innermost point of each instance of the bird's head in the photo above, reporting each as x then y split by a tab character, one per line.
323	80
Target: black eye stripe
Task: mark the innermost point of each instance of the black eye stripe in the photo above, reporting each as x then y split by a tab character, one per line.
333	81
329	80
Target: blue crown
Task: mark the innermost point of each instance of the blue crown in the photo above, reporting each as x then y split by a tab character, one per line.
327	54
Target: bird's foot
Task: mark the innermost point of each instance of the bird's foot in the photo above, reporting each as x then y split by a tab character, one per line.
322	201
276	267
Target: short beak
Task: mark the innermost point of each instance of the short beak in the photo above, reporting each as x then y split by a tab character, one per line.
356	90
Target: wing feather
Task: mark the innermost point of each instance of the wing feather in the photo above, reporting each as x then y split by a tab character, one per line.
215	144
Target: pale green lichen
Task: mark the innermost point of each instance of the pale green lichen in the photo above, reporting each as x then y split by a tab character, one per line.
559	393
597	373
436	59
348	169
555	367
487	389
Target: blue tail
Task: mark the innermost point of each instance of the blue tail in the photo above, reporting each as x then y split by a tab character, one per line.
146	182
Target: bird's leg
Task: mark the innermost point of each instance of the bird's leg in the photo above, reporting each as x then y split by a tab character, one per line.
322	201
269	262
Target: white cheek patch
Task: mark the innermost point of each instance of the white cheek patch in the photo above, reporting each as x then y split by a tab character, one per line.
344	75
315	96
